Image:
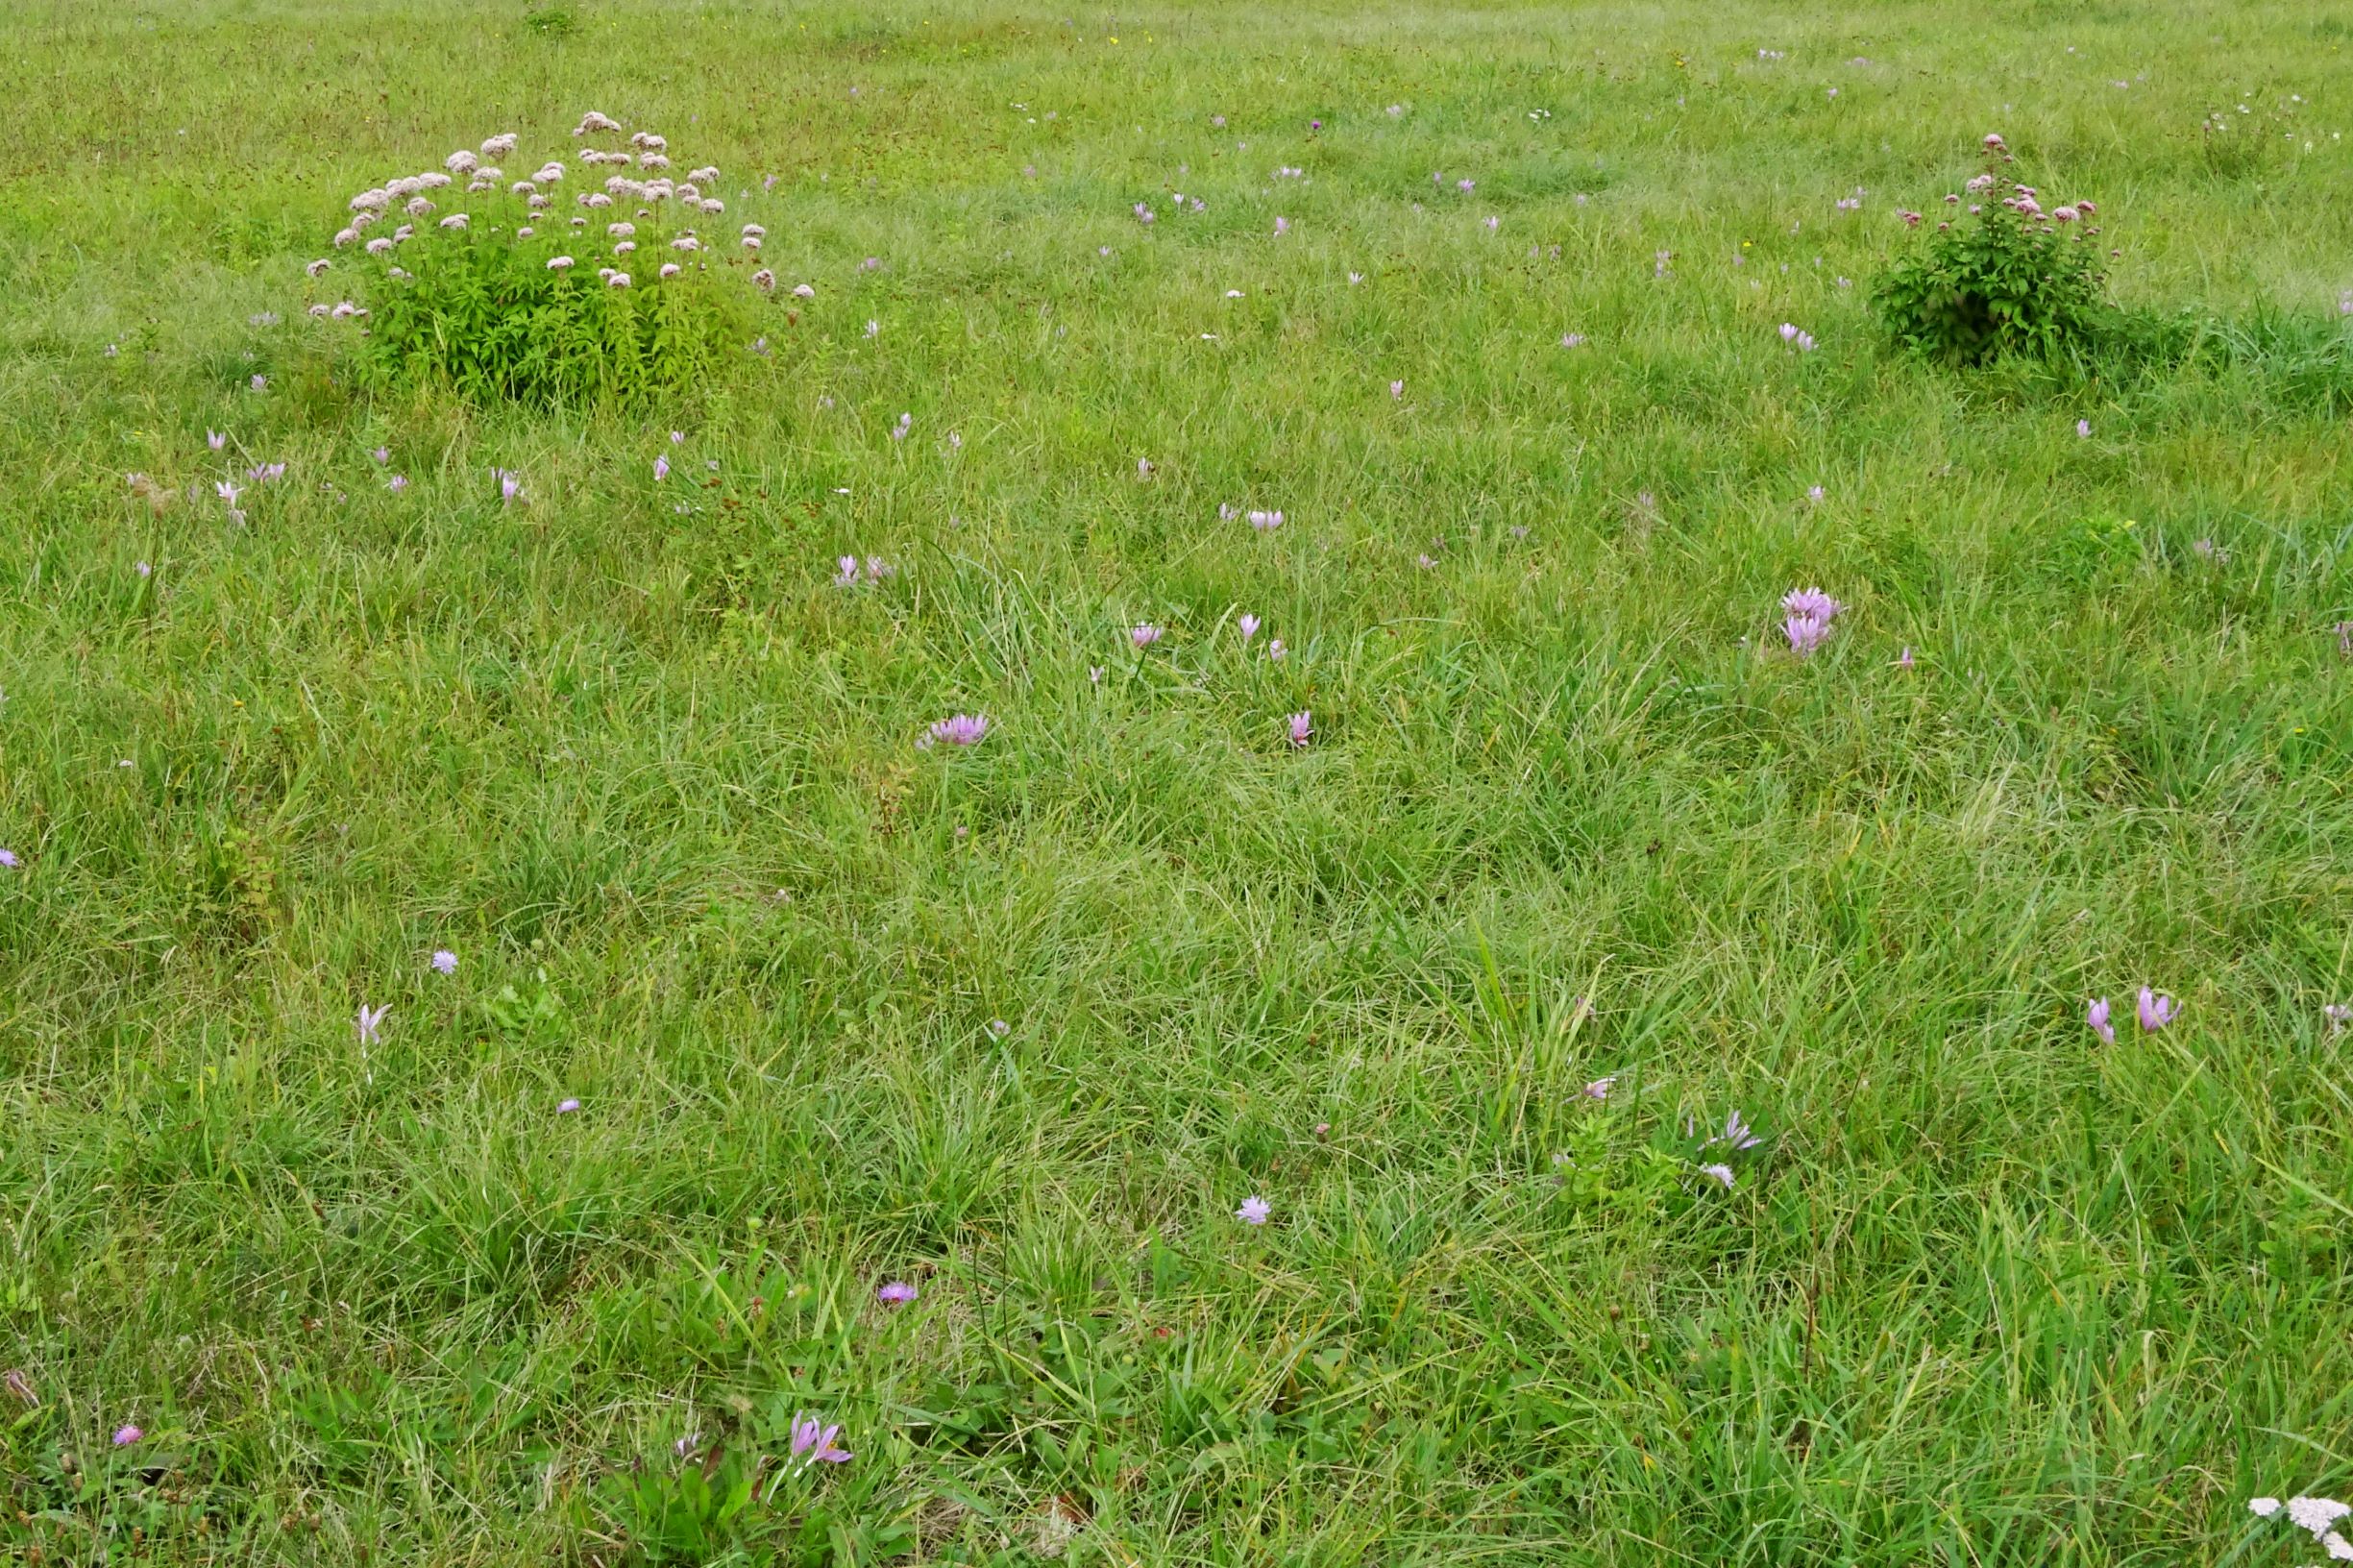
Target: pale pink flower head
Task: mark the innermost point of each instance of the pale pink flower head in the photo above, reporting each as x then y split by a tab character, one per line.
565	1108
960	729
1302	727
2156	1010
846	575
2083	430
445	961
1275	649
661	468
2097	1016
1719	1173
1247	625
1812	602
1144	635
1397	389
1599	1087
1266	521
126	1436
813	1443
895	1293
1255	1210
216	439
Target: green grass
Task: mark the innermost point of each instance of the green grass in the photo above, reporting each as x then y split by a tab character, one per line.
1989	1292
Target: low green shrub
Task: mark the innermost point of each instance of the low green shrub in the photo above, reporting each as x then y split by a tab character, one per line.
497	297
2011	276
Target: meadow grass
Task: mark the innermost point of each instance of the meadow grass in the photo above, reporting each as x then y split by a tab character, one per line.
1023	1025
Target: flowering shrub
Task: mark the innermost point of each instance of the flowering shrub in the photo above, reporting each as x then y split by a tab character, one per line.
2015	278
503	299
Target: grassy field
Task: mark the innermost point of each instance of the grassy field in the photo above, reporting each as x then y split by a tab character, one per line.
758	1004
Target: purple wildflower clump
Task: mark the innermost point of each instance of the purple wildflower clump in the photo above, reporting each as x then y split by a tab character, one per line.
1255	1210
1302	727
1144	635
1810	612
957	729
2097	1016
2156	1010
895	1293
814	1443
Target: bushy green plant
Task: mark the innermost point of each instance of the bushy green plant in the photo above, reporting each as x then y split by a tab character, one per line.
496	297
2011	276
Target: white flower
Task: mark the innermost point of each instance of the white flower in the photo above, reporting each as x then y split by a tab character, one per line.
619	280
712	203
520	187
504	143
418	207
647	140
619	231
802	292
432	179
557	263
686	242
318	310
652	160
317	268
751	242
346	236
2262	1508
2318	1514
765	280
460	162
752	230
596	198
1721	1173
707	175
455	220
548	174
379	245
624	247
593	121
372	201
670	269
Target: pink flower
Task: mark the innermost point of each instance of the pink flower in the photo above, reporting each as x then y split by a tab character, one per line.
1719	1173
2083	430
565	1108
1397	389
1255	1210
1275	649
1144	636
813	1443
895	1293
661	469
959	730
1598	1089
1247	625
2156	1010
1806	633
1302	727
2097	1016
126	1436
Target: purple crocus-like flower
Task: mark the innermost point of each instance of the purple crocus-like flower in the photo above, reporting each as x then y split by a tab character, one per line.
1719	1173
2338	1013
1814	494
1282	226
383	454
368	1022
847	574
125	1436
1812	602
1247	625
1144	636
1275	649
510	486
1806	633
814	1444
1265	522
8	860
1737	1134
661	469
1254	1211
1094	675
226	491
397	484
565	1108
266	473
960	729
2097	1016
1397	390
2083	430
1302	727
896	1293
216	439
1599	1087
259	384
1903	660
445	961
2156	1010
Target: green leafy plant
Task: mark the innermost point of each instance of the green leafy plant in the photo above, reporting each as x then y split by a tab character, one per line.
502	300
2011	278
